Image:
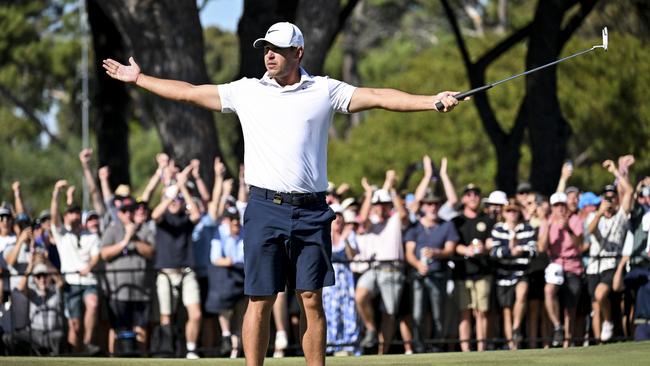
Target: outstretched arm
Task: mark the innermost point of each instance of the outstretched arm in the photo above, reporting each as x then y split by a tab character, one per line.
399	101
206	96
84	157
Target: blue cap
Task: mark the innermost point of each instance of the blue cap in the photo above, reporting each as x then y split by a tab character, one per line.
588	198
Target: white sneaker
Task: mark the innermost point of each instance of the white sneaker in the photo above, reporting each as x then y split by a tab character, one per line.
191	355
281	340
607	331
278	354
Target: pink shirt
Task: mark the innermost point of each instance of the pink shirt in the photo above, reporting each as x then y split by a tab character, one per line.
560	245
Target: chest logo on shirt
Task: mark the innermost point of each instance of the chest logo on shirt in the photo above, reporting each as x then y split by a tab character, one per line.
481	227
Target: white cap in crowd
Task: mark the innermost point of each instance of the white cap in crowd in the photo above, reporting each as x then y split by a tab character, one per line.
283	34
336	208
558	197
497	198
381	196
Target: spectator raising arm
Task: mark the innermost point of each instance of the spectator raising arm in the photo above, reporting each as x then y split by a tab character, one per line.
422	187
54	204
226	192
200	185
98	204
163	160
567	171
213	205
398	203
450	191
18	200
192	208
104	174
364	211
69	195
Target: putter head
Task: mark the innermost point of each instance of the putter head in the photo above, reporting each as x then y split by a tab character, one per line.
605	40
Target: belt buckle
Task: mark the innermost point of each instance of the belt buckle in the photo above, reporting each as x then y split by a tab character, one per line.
277	198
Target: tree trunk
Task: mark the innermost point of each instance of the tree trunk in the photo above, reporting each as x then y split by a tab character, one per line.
110	99
166	39
548	129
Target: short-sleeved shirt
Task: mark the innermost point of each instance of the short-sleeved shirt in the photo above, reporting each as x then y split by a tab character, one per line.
229	246
136	284
76	251
21	261
383	242
607	242
202	236
286	128
509	268
561	247
174	241
479	227
432	237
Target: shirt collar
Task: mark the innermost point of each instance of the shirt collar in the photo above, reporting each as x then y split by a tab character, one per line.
305	78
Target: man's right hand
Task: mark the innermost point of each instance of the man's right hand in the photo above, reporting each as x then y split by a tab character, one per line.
116	70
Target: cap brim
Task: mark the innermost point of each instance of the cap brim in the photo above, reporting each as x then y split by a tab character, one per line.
259	43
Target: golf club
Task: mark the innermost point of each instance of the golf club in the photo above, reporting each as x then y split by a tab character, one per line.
461	96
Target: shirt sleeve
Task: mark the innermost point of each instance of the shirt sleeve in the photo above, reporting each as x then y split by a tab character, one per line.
109	237
95	244
226	94
452	233
215	250
340	95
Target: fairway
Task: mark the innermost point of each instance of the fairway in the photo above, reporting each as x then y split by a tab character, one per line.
621	354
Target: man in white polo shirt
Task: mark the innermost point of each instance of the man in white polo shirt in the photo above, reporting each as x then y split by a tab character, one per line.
285	117
79	253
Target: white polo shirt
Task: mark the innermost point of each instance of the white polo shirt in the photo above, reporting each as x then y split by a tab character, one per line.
75	253
286	128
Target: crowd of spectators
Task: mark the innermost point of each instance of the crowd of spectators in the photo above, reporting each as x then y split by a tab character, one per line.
161	274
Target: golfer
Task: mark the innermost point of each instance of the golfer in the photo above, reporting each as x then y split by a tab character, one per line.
285	117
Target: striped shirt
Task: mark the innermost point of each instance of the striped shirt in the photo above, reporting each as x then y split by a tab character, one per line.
509	268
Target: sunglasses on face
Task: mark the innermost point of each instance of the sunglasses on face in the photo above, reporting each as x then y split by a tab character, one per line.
40	276
511	210
5	218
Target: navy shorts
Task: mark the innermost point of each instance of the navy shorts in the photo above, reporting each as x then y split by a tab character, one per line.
286	244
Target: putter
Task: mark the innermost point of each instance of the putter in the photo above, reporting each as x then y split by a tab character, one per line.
461	96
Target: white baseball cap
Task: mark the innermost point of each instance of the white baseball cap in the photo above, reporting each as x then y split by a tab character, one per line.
381	196
283	34
558	197
497	198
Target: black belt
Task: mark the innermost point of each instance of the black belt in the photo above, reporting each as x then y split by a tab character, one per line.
290	198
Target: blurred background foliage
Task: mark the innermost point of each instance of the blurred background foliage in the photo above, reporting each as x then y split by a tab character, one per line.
601	95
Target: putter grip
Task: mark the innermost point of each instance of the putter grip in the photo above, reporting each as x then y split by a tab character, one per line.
463	95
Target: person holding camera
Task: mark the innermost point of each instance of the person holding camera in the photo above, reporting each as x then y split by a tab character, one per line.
607	229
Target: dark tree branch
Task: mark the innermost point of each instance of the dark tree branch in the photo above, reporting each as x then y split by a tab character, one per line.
503	46
459	37
345	14
31	116
586	6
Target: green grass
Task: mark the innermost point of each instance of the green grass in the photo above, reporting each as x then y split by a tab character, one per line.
621	354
